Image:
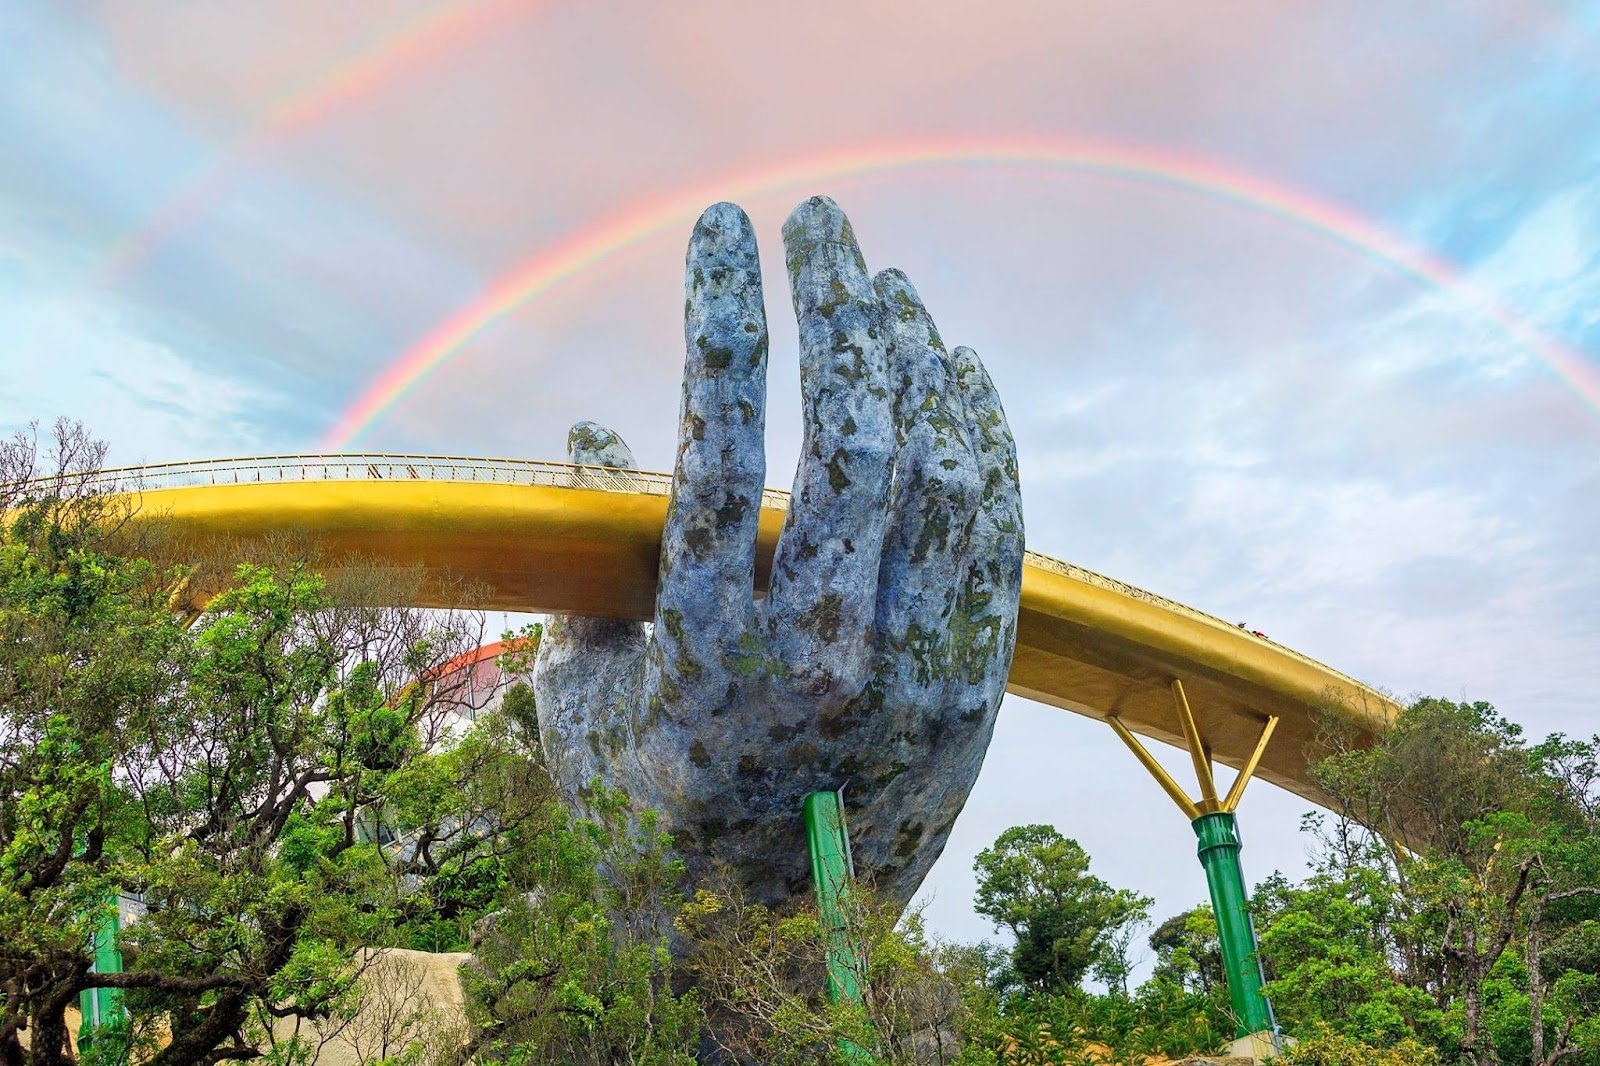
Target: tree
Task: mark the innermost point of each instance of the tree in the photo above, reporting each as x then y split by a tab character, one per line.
1330	945
1466	851
1188	952
465	819
1562	946
1036	883
85	645
228	773
1438	793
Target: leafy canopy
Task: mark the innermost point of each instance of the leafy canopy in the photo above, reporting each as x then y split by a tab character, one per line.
1036	883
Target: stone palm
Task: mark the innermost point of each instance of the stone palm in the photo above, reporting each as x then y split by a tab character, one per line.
878	657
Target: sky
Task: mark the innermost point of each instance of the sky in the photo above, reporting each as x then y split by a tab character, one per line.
1185	238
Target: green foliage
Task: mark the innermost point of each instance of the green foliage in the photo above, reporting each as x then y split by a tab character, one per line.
1161	1019
576	967
1036	883
761	976
85	647
1454	894
764	974
1188	952
468	814
1330	945
1323	1047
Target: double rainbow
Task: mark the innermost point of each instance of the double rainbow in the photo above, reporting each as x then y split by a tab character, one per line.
1137	165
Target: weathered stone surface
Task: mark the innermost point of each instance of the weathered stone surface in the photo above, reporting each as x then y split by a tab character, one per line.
878	659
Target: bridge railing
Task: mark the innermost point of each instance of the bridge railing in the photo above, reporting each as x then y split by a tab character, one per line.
380	466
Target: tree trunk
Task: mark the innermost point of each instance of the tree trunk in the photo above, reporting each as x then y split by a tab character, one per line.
11	1050
195	1047
1472	993
49	1046
1536	983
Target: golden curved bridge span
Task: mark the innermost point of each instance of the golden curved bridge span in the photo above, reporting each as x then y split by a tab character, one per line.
554	538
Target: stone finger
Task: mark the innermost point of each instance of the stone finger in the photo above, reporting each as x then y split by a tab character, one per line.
992	579
936	490
954	731
822	596
706	599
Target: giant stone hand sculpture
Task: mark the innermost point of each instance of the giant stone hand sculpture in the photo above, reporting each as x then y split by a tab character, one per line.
879	656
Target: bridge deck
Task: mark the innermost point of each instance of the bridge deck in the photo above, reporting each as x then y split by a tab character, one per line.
547	537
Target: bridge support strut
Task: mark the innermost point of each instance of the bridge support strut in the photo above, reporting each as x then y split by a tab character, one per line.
1217	829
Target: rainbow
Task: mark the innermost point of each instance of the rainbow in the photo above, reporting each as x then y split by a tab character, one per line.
415	44
1138	165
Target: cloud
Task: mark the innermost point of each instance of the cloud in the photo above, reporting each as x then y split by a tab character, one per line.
67	358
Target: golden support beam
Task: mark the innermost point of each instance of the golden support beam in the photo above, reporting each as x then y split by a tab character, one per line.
1164	779
1197	749
1208	802
1236	793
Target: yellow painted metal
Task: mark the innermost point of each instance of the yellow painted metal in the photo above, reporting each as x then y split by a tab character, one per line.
585	541
1157	771
1236	793
1197	749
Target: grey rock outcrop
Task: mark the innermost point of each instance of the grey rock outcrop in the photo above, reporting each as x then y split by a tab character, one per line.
878	658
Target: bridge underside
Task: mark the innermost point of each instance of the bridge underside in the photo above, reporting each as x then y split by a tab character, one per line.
1086	643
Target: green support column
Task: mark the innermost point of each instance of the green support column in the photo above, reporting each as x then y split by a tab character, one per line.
1219	854
831	873
1218	831
102	1008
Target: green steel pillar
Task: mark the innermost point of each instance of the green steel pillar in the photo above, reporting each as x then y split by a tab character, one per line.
102	1008
1218	833
831	872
